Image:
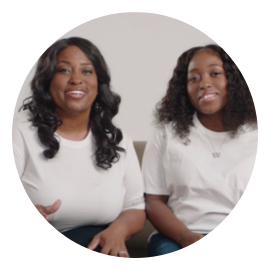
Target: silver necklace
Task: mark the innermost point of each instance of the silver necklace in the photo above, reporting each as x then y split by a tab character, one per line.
215	154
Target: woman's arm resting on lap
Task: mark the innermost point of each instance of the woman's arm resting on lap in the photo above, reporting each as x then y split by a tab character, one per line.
112	240
166	222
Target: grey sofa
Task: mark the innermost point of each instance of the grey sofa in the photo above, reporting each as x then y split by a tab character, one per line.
138	243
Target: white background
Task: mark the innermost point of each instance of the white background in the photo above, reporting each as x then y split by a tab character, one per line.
141	50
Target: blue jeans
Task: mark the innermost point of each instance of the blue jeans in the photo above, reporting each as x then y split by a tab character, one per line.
84	235
160	245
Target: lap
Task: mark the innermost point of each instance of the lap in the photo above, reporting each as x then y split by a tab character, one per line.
84	235
160	245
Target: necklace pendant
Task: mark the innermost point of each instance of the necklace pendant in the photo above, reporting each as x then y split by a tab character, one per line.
216	155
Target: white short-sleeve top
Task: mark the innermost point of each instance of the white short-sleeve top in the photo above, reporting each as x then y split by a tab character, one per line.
90	195
202	189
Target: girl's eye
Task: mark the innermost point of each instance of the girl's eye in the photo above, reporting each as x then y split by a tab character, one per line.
216	73
193	79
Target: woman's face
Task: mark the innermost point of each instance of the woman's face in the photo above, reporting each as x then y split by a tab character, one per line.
207	83
74	85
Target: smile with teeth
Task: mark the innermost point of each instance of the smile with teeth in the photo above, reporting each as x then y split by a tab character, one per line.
75	93
208	97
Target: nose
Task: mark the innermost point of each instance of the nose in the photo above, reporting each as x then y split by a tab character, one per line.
205	82
75	78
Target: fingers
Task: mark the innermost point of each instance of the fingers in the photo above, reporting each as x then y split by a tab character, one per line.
44	215
94	243
42	211
107	249
45	211
53	208
115	252
123	253
111	243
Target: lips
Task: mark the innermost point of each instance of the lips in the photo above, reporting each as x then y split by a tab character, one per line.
75	93
208	96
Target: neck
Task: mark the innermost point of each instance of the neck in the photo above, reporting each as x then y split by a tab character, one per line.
74	127
212	121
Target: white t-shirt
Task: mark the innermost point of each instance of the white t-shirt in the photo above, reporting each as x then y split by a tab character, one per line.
202	190
90	195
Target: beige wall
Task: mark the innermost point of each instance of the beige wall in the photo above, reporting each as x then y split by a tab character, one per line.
141	50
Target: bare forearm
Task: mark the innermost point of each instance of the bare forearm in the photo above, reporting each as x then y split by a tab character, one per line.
129	222
165	221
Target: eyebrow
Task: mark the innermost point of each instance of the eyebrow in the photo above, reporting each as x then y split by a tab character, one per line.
194	69
67	62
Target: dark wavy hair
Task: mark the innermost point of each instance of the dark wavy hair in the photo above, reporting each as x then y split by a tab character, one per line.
176	107
104	108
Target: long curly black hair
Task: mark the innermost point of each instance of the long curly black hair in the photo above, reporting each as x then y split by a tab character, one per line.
104	108
176	108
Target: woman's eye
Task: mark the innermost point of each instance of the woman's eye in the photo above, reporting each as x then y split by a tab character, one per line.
216	73
87	71
63	70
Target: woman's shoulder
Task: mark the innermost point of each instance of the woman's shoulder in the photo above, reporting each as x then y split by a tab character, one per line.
22	116
22	119
164	131
160	134
126	140
249	129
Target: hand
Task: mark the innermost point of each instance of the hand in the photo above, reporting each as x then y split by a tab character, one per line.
111	243
189	238
46	210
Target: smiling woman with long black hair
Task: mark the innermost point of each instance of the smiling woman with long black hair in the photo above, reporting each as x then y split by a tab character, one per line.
80	171
199	159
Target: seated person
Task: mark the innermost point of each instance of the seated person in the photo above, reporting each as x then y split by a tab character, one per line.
79	170
199	159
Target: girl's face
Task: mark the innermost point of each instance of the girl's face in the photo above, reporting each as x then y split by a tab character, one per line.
207	83
74	85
